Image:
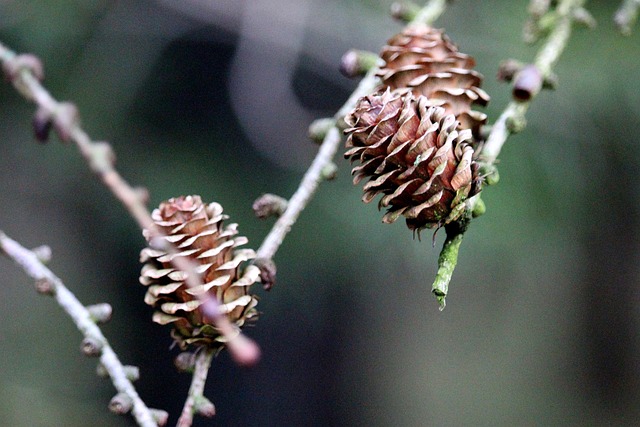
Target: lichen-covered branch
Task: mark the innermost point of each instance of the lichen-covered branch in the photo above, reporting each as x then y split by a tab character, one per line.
81	316
329	147
26	72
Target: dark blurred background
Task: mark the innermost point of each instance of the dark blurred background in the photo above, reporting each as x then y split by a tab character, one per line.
214	98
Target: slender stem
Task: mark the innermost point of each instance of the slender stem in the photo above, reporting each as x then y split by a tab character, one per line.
312	178
79	314
446	264
99	156
431	11
196	390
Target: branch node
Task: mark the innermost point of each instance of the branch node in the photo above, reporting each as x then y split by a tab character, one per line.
185	361
121	404
65	118
45	286
26	61
583	17
204	407
103	158
404	11
269	205
329	171
528	83
319	128
91	347
356	63
516	123
43	253
100	313
159	416
267	272
508	69
41	124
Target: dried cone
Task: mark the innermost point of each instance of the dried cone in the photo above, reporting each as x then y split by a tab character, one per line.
196	230
424	60
413	155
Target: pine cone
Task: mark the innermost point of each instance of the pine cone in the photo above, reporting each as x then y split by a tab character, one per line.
414	155
196	230
424	60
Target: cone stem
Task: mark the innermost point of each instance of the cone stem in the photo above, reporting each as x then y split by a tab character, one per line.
446	264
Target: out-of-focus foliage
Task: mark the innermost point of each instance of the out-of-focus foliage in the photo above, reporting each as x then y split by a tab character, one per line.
214	98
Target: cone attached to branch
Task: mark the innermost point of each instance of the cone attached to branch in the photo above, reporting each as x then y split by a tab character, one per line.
414	155
196	230
424	60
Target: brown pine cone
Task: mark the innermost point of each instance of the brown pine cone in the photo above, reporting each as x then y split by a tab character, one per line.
413	155
196	229
424	60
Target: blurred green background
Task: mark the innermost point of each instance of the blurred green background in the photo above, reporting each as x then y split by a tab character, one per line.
214	98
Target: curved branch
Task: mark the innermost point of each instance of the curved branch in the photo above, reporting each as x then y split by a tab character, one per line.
25	72
32	266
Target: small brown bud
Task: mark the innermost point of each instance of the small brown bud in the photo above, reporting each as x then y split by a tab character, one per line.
329	171
43	253
26	61
185	361
267	272
356	63
45	286
508	69
269	205
121	404
101	371
100	313
204	407
91	347
528	83
42	124
159	416
132	372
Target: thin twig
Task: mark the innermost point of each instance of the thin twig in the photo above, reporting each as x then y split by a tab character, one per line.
79	314
312	178
100	157
196	390
545	60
